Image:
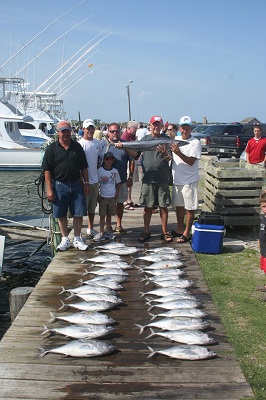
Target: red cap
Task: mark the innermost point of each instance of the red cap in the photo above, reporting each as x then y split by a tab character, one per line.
63	125
156	118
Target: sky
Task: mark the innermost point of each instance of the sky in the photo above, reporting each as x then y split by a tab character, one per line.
185	57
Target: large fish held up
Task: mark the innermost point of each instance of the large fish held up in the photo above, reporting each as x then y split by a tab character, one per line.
149	145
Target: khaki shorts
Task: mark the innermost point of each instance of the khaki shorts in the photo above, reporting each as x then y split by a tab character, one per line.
107	206
123	193
154	195
91	199
185	196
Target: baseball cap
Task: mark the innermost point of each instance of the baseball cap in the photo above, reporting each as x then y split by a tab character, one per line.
88	122
109	154
64	125
185	121
156	118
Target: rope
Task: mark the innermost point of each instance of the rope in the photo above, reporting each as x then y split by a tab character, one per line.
40	182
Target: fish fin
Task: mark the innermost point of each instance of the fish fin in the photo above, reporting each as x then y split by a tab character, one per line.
152	352
83	261
153	316
151	334
62	291
62	306
81	281
46	330
70	296
43	352
52	319
142	294
142	327
150	308
86	272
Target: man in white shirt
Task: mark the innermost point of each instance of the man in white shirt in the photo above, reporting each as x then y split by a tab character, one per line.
185	170
92	148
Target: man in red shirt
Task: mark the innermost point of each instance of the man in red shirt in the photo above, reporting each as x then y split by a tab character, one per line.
256	147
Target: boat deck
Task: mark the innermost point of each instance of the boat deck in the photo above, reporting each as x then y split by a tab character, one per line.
127	373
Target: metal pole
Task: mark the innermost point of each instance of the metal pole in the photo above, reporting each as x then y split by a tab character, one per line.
128	98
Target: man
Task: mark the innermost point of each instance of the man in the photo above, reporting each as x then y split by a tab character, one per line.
256	147
185	170
155	182
141	131
122	158
129	134
171	131
64	164
92	148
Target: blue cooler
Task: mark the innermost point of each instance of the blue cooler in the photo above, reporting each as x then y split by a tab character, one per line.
207	238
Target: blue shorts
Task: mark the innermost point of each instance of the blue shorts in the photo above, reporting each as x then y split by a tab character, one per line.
69	195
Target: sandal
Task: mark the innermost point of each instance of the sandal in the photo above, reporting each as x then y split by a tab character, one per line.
144	236
129	207
261	288
167	237
182	239
175	234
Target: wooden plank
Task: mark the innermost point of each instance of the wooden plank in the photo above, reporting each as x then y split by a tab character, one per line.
234	193
236	183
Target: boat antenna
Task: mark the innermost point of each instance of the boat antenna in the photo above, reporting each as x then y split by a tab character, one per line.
45	29
60	37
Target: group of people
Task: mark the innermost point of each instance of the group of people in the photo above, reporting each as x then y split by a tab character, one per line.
80	174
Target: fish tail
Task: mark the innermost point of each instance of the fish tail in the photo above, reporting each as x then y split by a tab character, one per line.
142	327
150	308
62	306
52	319
46	330
80	281
83	261
153	316
148	302
151	334
70	296
142	294
152	352
43	352
62	291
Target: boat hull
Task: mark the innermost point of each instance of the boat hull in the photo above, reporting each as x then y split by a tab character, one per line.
21	159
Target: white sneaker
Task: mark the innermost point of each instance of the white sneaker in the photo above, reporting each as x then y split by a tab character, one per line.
99	237
91	233
109	235
79	244
64	245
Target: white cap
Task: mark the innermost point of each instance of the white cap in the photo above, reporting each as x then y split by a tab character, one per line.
185	121
88	122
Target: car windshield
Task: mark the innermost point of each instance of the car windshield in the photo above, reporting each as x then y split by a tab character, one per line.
200	128
214	130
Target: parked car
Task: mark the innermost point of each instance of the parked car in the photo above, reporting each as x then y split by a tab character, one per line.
199	133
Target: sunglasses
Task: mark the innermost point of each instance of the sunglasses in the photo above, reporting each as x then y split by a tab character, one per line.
169	129
109	158
114	131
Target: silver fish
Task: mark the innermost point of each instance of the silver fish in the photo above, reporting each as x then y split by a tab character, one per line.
185	352
181	312
165	264
158	257
172	324
82	348
165	272
82	318
150	145
170	305
112	245
175	297
164	250
88	289
85	331
110	283
98	297
110	280
103	258
179	283
114	264
164	292
122	251
185	336
109	271
100	305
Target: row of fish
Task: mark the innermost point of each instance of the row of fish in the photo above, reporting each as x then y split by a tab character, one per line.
181	321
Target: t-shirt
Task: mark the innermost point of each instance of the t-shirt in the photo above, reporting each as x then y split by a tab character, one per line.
121	159
154	168
256	148
262	235
182	172
65	165
92	149
108	179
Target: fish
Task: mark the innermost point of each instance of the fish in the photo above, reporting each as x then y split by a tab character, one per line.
172	324
165	272
158	257
181	283
185	336
181	312
100	305
114	264
164	250
175	297
185	352
109	271
122	251
112	245
98	297
170	305
85	331
110	283
88	289
82	348
103	258
165	264
164	292
150	145
82	318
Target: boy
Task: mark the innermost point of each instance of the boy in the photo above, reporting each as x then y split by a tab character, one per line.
109	181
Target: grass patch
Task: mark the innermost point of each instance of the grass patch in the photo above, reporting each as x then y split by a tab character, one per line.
232	279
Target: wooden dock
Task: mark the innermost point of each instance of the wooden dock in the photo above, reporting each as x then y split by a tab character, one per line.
127	373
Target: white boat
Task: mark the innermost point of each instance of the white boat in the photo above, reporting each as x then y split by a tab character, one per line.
16	152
